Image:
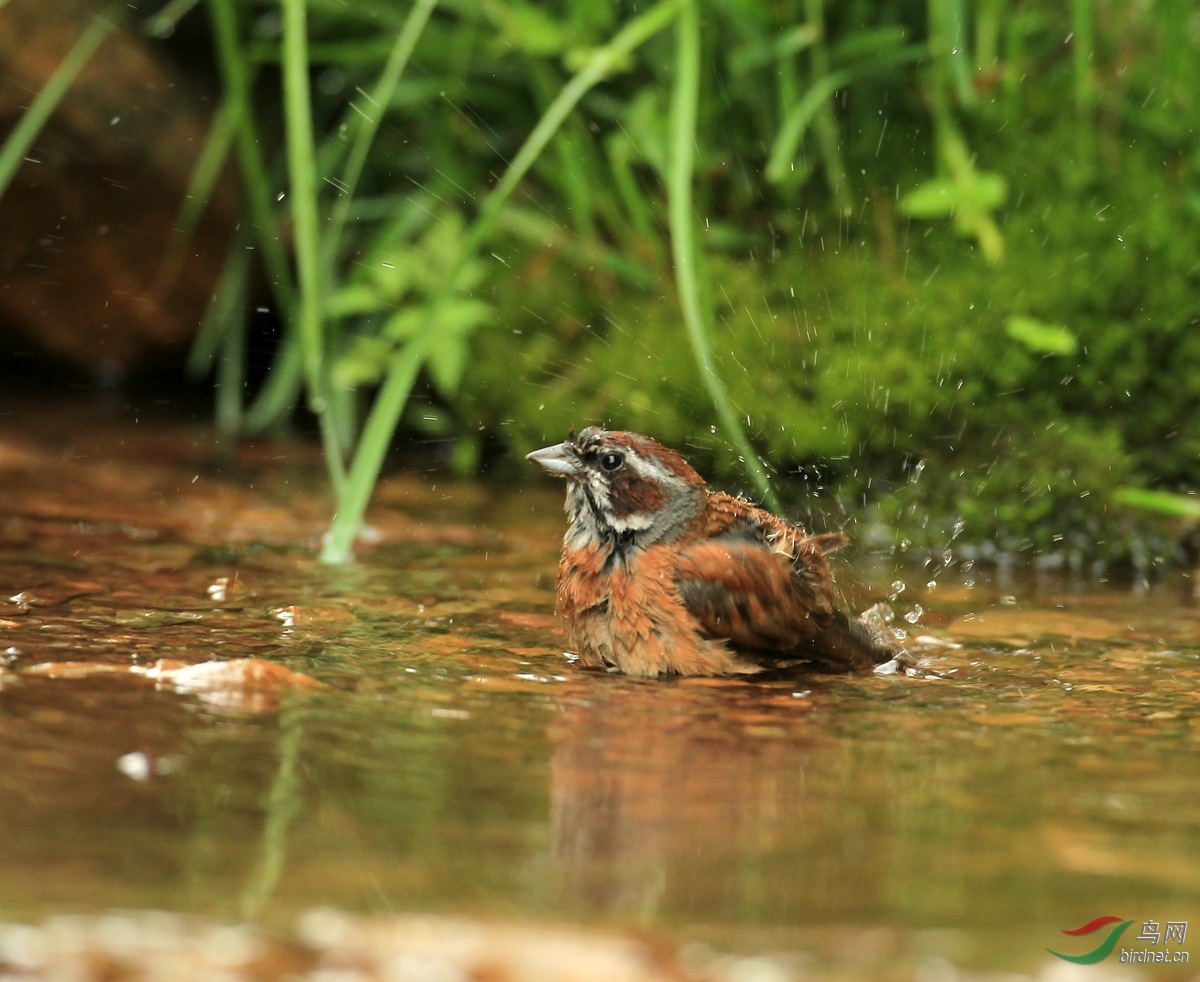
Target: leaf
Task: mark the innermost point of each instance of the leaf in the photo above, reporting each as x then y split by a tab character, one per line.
764	52
364	362
986	192
448	357
528	29
1162	502
645	125
786	147
356	298
933	199
869	43
943	196
1040	337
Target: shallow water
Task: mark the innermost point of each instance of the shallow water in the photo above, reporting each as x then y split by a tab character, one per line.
1038	771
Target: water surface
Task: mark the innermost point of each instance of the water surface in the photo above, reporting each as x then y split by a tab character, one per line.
1037	771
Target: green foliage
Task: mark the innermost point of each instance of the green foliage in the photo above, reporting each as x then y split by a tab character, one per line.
869	234
1037	336
1161	502
385	296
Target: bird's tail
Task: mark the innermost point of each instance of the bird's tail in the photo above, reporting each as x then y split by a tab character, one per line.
845	645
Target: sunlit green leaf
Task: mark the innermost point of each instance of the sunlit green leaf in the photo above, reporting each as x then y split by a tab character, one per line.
943	196
765	51
1162	502
1040	337
786	147
528	28
934	199
355	299
987	191
363	363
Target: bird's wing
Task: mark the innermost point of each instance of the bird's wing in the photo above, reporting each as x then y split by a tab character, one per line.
757	598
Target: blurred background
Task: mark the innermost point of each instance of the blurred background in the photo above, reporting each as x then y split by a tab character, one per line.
932	263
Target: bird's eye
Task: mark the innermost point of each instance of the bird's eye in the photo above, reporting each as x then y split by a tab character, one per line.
611	461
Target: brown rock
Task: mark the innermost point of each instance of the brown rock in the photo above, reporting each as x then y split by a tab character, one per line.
91	268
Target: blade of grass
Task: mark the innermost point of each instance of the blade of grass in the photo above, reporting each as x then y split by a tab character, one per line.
638	211
787	142
277	396
389	403
279	393
684	103
566	168
228	296
1162	502
201	182
302	173
824	121
368	123
162	24
231	369
213	155
18	142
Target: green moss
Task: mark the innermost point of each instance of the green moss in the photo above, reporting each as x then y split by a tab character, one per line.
854	368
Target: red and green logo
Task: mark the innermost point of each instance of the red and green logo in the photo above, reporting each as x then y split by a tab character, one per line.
1103	949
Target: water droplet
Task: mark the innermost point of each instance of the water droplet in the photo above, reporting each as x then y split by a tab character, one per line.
915	475
914	615
897	588
957	530
931	585
135	765
948	557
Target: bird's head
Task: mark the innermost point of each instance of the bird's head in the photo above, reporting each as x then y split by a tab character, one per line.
623	486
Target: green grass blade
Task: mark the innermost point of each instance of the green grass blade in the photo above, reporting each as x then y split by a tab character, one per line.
389	404
302	172
368	125
787	142
209	164
824	122
228	300
231	369
282	387
279	392
1161	502
18	142
684	105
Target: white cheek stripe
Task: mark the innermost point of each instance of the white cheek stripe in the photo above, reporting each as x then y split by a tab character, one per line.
637	522
632	523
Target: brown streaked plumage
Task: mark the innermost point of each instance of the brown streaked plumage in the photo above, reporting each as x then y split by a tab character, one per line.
661	576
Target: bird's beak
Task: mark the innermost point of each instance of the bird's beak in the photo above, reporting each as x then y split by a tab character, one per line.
559	460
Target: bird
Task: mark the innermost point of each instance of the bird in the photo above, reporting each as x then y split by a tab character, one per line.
661	576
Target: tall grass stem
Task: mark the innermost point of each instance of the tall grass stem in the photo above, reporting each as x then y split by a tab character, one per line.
302	171
684	104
